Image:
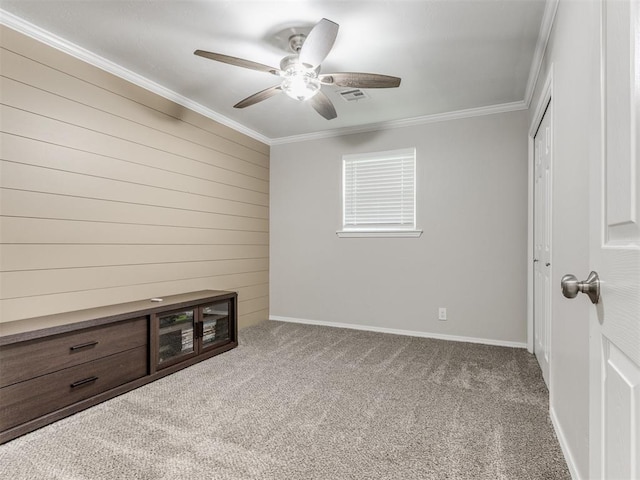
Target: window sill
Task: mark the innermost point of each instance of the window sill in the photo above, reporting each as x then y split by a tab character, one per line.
378	233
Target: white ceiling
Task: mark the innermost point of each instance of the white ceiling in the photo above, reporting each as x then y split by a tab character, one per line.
452	55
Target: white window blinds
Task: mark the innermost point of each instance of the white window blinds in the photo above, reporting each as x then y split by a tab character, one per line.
379	191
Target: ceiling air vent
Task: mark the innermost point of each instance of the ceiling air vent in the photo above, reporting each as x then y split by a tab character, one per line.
353	94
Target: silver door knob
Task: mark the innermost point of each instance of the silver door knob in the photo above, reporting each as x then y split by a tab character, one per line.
591	286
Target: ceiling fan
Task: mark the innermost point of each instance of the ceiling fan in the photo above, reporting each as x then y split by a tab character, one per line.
300	72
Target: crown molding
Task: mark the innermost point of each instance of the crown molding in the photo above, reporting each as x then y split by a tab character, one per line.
549	15
76	51
16	23
408	122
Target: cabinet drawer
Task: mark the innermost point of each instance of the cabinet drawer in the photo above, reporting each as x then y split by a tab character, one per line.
26	360
27	400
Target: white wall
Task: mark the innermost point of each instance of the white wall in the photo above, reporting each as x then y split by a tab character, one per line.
573	52
471	258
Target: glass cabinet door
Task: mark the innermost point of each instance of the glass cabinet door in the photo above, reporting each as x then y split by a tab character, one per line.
215	324
176	334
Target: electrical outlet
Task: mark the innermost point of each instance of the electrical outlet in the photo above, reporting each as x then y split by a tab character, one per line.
442	313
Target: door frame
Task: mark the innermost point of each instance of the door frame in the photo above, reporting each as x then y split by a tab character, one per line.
545	99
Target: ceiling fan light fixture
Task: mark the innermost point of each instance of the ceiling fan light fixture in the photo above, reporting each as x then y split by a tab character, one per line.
300	82
300	87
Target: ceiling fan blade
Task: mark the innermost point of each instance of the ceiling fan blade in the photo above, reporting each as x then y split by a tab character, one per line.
321	103
258	97
239	62
318	43
359	80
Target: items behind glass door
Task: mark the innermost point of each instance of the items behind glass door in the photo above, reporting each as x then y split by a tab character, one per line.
176	335
215	319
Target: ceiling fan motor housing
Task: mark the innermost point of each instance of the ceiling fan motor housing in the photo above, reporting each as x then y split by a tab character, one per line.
296	41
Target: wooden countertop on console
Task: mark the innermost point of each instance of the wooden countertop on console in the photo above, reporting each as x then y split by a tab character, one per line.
31	328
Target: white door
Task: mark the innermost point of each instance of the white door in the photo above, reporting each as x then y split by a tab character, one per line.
542	145
615	253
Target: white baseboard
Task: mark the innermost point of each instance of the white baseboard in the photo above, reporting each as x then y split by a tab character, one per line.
562	440
410	333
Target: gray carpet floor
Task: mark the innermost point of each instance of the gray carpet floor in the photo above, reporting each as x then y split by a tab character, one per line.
308	402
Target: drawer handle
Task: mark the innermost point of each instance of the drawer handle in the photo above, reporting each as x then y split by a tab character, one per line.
83	345
83	382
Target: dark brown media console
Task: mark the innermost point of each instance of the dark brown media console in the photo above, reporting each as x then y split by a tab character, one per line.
54	366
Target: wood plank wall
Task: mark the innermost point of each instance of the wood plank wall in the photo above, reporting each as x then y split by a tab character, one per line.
111	193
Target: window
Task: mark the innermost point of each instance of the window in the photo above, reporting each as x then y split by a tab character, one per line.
379	194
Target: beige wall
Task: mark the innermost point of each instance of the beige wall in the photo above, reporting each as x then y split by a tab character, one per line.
471	258
111	193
